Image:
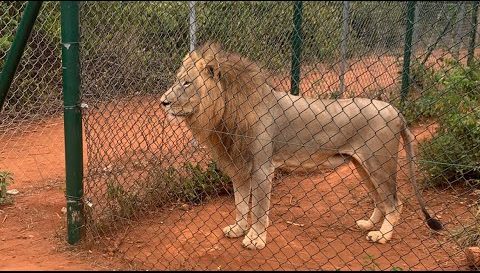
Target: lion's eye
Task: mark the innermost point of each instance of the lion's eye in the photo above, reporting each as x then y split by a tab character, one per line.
186	83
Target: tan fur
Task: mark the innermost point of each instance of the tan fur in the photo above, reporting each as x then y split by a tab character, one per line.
251	129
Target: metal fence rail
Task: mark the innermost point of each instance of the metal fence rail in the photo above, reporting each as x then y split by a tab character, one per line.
158	196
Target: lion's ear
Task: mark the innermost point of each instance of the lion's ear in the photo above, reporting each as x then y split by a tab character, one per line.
213	71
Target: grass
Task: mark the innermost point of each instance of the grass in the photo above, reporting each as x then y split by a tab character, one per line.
189	184
469	235
371	264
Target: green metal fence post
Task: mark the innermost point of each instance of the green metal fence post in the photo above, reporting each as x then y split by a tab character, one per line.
407	52
18	47
432	47
192	25
72	118
296	48
343	47
458	31
473	33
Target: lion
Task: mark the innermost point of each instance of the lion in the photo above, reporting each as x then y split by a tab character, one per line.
251	129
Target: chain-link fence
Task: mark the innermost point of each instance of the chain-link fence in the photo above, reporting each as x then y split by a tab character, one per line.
162	191
31	125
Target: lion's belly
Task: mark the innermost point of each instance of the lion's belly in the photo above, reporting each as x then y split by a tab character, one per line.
301	162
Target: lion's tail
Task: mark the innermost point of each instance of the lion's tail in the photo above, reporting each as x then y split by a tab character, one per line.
408	139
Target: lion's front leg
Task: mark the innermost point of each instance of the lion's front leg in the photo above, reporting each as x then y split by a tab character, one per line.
241	188
261	184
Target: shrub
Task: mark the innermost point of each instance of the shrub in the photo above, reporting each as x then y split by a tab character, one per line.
129	48
423	94
200	185
36	89
453	154
469	235
190	184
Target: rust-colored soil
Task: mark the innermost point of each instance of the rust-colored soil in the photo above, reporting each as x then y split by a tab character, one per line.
32	231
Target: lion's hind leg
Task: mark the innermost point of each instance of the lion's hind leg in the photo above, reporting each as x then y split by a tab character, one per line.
377	214
381	176
392	216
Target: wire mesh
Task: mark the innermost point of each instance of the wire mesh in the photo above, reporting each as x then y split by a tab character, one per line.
158	197
31	136
154	188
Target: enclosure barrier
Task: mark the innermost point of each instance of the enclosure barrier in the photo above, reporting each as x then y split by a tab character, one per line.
408	51
297	47
72	118
473	32
151	193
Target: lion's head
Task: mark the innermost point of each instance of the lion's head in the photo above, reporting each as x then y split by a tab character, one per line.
214	88
197	87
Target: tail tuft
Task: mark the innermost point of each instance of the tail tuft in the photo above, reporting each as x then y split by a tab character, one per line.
432	222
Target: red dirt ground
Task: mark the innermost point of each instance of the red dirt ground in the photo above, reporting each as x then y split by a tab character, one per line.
32	231
323	208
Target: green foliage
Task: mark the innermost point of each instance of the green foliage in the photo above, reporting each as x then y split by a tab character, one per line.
422	76
191	184
263	31
371	264
139	46
8	24
469	235
123	202
453	154
423	94
372	26
199	185
38	76
131	48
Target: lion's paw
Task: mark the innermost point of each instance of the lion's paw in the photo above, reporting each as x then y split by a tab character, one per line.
254	241
377	237
365	224
234	231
